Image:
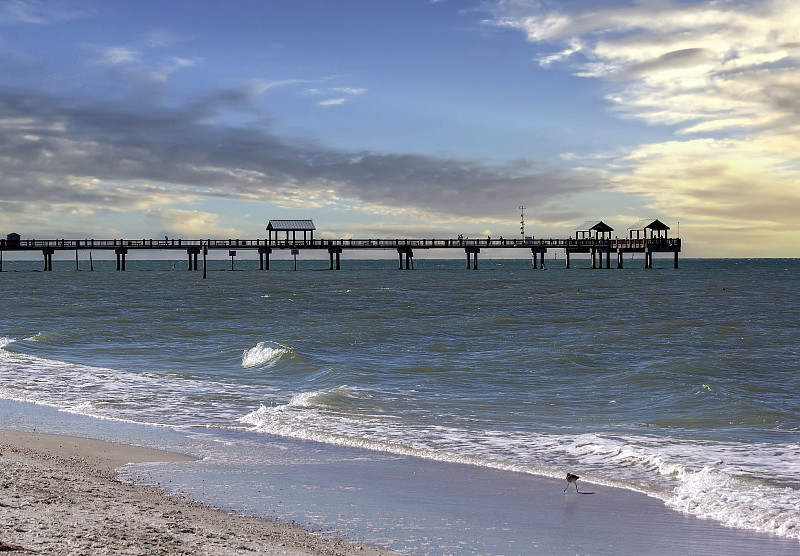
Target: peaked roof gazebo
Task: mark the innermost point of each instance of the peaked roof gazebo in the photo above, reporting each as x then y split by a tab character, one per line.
292	226
657	229
593	229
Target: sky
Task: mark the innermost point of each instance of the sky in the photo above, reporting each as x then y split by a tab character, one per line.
402	118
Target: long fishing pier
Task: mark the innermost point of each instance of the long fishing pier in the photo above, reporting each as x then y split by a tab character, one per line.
598	248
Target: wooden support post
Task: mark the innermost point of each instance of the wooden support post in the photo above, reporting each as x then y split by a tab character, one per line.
265	252
619	258
336	252
193	253
48	258
541	259
566	256
409	255
205	254
608	258
676	261
120	252
533	259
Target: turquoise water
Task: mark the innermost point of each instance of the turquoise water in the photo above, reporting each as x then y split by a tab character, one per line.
676	383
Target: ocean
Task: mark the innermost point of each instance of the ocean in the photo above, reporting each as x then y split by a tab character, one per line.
678	383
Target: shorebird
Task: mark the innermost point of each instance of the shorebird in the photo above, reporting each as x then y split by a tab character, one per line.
571	478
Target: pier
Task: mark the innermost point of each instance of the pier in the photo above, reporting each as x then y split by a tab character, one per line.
594	238
600	250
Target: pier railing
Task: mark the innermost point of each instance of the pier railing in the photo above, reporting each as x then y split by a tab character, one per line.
667	244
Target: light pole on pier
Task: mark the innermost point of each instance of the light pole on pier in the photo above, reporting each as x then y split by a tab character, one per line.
522	222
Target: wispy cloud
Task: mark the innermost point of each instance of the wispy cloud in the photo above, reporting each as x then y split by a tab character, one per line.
117	55
703	68
335	94
139	61
332	102
38	12
678	62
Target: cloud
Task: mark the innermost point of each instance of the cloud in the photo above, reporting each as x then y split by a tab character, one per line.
722	75
127	156
143	61
332	102
116	55
335	94
677	62
189	223
37	12
741	182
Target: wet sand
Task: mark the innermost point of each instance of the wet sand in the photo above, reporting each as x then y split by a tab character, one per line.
60	495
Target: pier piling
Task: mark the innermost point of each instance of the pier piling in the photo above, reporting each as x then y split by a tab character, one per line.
121	252
335	253
408	253
472	252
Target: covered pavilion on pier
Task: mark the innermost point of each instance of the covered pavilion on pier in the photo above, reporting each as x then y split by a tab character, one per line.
293	226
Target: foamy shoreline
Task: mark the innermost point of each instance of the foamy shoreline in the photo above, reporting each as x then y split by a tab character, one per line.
59	494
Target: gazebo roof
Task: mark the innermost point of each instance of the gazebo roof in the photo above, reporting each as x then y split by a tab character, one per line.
594	226
647	224
291	225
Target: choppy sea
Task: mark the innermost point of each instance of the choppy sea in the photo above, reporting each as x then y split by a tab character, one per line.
679	383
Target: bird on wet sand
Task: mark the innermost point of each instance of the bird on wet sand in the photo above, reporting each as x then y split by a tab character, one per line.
572	478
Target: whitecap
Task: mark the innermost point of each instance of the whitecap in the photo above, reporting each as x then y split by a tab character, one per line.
264	354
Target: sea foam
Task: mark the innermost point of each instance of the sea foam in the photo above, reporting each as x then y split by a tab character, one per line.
264	354
675	471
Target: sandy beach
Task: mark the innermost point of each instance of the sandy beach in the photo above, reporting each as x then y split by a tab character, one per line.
60	495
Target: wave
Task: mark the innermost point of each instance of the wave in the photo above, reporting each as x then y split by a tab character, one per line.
264	354
724	482
54	337
152	398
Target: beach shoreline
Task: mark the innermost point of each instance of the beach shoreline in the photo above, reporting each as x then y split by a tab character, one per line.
60	494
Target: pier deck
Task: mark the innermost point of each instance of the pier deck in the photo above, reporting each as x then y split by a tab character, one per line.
597	247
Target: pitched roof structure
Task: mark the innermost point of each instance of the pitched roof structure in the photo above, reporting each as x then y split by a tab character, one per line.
290	225
657	228
594	226
647	224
